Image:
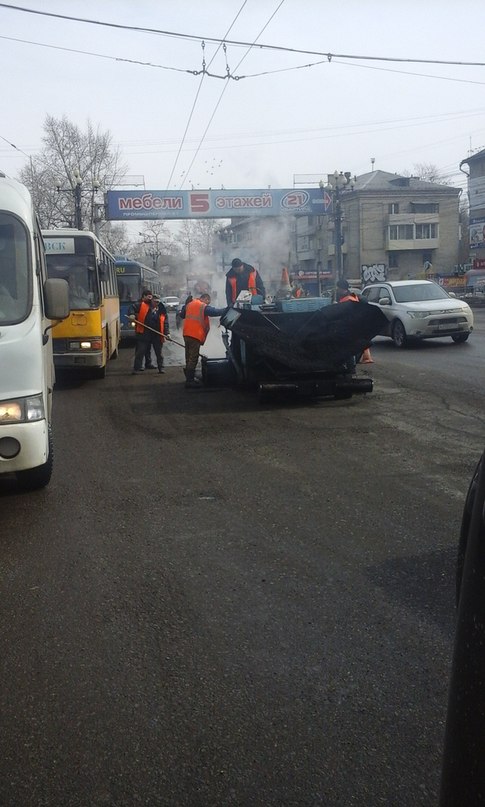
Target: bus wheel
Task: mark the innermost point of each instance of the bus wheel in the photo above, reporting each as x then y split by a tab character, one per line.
34	478
98	372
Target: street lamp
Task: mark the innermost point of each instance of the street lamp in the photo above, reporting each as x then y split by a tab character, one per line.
78	181
336	184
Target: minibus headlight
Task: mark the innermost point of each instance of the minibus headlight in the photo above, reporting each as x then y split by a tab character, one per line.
34	408
11	412
22	410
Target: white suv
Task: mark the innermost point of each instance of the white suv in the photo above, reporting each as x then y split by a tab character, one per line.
419	309
171	303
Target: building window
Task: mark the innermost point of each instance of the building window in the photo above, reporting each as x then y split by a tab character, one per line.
394	207
393	260
424	207
401	232
424	231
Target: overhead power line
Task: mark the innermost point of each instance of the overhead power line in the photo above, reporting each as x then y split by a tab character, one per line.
240	43
225	88
198	93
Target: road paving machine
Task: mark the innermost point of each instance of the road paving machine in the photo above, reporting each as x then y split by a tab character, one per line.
304	346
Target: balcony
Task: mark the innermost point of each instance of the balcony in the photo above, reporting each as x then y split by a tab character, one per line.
408	244
412	231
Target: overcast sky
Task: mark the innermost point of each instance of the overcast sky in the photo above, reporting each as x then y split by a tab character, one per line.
263	129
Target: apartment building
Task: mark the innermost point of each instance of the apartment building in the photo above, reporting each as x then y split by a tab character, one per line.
390	226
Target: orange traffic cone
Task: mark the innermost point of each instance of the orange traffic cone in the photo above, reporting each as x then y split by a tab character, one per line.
366	358
285	279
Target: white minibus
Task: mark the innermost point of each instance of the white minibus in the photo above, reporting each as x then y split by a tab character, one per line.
28	303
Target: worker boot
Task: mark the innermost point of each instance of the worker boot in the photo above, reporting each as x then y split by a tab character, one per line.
191	382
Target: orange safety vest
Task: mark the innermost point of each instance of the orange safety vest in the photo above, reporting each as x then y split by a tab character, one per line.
196	322
142	314
251	284
141	317
161	320
349	298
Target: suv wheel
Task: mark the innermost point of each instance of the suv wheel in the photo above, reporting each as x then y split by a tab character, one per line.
399	334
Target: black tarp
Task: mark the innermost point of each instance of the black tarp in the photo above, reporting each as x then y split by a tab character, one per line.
315	341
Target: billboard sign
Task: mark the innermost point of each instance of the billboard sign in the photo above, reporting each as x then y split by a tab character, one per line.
477	233
476	192
133	205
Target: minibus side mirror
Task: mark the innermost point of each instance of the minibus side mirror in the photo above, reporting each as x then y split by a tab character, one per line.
56	298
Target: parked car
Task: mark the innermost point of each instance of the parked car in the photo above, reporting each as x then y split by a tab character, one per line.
419	309
171	303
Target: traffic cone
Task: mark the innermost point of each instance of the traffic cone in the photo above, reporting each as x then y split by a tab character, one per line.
366	358
285	280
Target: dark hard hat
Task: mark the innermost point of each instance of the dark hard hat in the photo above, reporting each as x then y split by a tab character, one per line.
343	284
237	262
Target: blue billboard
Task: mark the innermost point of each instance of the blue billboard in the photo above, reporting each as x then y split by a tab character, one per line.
210	204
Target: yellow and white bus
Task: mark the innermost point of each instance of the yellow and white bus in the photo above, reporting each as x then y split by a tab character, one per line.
90	336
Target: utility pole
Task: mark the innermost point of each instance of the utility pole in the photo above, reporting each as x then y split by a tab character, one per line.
337	183
76	190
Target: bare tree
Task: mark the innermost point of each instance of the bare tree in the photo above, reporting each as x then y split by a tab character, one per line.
156	243
70	171
428	172
116	240
197	237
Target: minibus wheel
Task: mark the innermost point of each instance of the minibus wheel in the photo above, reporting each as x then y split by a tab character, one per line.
34	478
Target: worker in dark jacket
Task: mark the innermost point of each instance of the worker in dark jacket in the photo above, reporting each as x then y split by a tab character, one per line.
155	341
345	295
155	318
242	277
195	315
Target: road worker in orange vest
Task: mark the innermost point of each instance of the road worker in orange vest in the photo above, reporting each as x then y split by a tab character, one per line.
195	315
242	277
344	295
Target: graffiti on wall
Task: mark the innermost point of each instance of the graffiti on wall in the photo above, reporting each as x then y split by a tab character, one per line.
373	273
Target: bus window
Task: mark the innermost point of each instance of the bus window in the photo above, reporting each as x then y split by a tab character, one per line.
83	286
14	271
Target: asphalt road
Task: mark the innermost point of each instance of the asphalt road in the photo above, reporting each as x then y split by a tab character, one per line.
221	603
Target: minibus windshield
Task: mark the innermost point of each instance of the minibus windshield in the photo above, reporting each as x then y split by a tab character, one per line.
14	270
81	277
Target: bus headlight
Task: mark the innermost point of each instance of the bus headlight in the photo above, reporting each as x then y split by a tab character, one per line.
87	344
22	410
